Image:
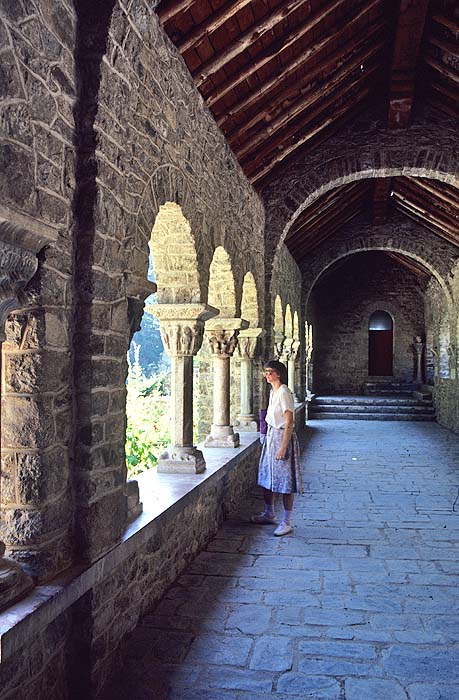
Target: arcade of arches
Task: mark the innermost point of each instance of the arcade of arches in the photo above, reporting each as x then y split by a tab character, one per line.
292	169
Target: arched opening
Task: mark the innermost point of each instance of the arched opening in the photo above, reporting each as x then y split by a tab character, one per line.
222	293
288	326
249	304
173	266
380	344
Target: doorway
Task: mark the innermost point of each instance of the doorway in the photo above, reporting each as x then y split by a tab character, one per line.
380	344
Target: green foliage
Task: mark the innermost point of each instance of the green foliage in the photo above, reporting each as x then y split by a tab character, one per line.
147	408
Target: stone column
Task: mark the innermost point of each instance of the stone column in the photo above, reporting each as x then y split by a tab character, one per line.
418	347
291	363
222	335
20	241
247	347
182	329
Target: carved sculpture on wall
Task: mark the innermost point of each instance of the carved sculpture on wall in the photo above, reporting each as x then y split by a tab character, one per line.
20	241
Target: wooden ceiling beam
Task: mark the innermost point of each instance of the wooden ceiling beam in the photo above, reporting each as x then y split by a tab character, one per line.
427	222
324	106
324	235
448	23
415	205
409	263
210	25
301	61
434	202
354	204
306	99
245	40
442	69
438	190
381	198
262	169
171	8
320	210
408	36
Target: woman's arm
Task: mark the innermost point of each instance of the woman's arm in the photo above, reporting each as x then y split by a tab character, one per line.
288	431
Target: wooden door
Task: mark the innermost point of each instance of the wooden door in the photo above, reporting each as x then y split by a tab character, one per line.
380	353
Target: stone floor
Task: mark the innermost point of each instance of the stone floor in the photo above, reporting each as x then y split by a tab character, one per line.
360	603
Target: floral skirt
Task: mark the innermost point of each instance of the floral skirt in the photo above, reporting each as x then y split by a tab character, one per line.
280	475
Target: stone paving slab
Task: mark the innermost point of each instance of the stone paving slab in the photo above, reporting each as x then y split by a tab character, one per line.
360	603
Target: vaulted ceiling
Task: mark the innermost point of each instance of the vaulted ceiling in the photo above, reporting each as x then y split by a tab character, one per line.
281	75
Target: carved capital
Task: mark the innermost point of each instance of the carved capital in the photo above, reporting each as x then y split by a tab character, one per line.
222	334
248	342
182	326
279	339
182	338
288	353
21	239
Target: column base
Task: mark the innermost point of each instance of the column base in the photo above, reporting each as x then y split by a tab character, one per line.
14	582
222	436
181	460
247	424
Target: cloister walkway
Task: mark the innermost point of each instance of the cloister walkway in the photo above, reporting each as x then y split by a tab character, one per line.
360	603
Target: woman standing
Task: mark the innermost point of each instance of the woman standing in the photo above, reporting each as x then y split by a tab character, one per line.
279	468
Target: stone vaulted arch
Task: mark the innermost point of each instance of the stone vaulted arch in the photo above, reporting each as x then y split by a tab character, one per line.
430	148
399	235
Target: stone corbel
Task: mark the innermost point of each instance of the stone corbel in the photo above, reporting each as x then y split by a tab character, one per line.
137	290
21	238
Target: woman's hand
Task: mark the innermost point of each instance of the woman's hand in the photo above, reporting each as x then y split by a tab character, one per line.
280	454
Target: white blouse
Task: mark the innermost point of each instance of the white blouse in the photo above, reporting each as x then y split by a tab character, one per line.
280	401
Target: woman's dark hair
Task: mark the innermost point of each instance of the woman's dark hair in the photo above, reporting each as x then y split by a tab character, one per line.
280	368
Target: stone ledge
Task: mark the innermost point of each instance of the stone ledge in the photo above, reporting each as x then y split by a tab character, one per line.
164	496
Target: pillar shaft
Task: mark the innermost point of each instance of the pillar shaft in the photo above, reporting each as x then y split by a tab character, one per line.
246	388
182	328
247	348
182	400
222	334
221	390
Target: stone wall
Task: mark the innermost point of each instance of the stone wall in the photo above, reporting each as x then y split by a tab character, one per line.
37	176
441	352
343	301
286	282
101	124
74	654
365	148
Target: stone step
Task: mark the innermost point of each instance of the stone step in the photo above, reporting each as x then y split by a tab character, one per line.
371	401
337	408
368	415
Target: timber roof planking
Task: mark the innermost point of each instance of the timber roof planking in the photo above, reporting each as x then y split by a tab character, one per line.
282	75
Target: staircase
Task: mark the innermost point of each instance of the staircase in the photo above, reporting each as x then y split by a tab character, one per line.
386	405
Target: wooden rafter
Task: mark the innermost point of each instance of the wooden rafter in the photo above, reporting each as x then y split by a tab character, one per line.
169	9
314	122
244	41
279	47
440	190
408	36
325	216
211	24
326	233
409	263
306	102
261	169
431	204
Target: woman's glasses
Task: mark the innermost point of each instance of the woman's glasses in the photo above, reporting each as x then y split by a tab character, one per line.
269	371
